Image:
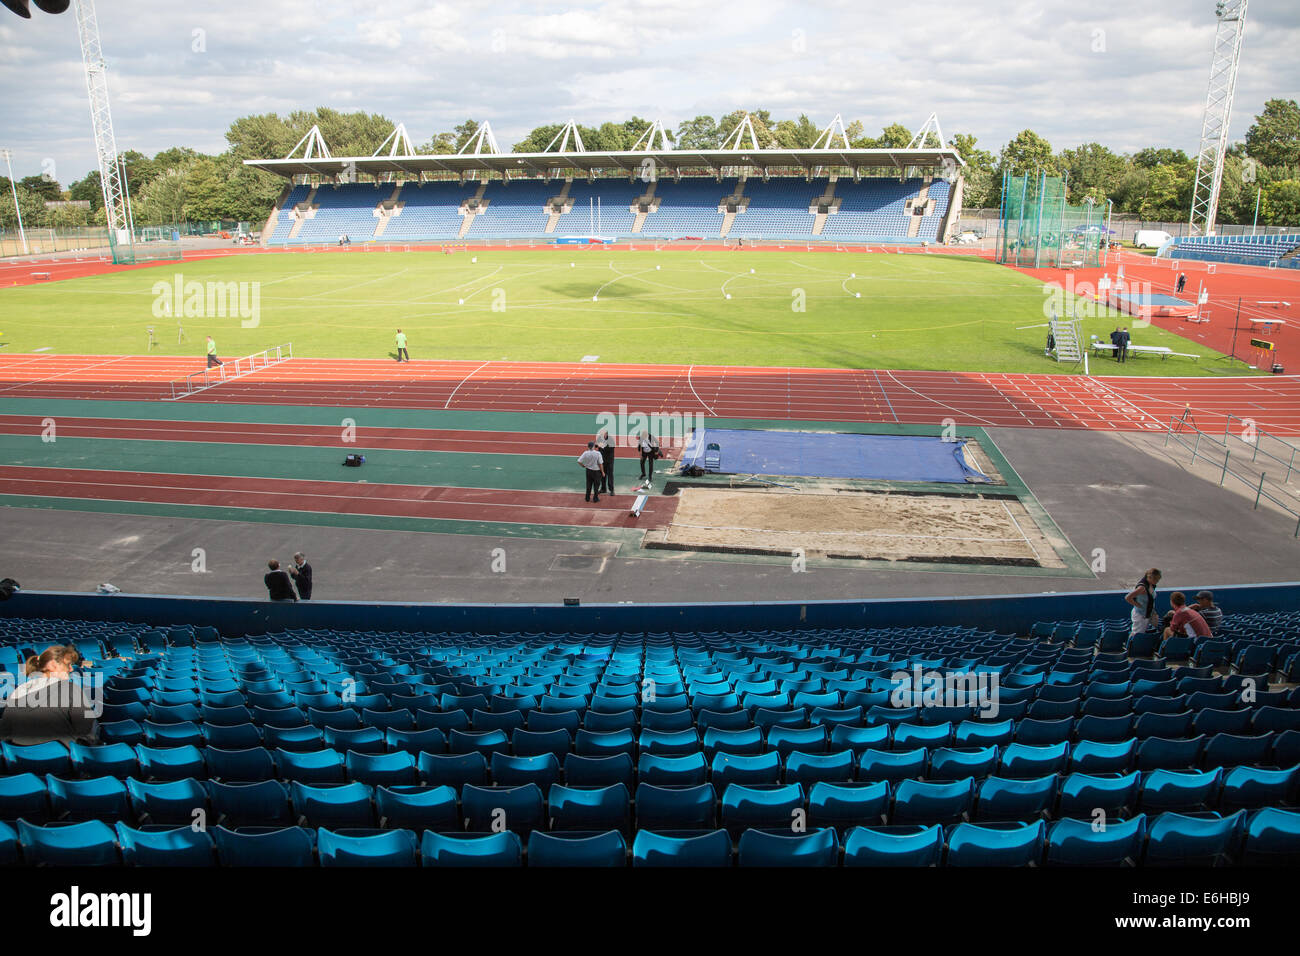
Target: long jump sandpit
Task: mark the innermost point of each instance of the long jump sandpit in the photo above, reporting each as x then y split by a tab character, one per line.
868	525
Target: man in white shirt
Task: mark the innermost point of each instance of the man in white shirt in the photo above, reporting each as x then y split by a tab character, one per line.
594	463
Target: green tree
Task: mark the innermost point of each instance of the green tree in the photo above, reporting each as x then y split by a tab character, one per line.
47	189
978	173
796	134
1093	170
698	133
1280	203
1027	154
1274	138
88	189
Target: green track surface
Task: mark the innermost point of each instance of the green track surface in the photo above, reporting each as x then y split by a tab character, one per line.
794	308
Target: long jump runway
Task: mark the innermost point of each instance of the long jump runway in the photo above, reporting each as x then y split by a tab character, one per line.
907	397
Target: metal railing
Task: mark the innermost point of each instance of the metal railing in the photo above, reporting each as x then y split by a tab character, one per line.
1206	447
231	370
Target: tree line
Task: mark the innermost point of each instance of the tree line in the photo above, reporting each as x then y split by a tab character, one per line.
183	185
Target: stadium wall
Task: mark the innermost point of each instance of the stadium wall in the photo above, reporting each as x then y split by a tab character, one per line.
1004	613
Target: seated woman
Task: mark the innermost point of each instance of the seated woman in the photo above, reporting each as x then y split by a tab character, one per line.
48	705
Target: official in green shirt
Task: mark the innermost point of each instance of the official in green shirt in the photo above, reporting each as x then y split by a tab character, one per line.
401	346
212	353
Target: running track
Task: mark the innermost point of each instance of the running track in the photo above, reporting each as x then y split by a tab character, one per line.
908	397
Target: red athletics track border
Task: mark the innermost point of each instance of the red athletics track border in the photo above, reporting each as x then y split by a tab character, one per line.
801	394
338	497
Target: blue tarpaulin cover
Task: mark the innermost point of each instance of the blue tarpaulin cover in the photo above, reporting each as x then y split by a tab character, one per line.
746	451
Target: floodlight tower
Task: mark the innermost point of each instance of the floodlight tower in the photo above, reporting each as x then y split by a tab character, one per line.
112	178
1231	30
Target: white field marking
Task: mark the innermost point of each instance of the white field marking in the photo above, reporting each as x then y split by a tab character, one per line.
6	366
694	392
463	381
71	371
1142	413
1032	549
941	404
619	275
356	285
453	288
288	278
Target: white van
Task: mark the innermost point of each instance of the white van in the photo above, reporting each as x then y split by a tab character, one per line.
1151	238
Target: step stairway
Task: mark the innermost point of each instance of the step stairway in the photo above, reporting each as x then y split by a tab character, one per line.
651	204
921	201
1065	333
565	204
302	212
739	200
828	200
470	209
387	209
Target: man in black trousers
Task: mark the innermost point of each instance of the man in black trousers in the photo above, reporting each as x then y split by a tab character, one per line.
1182	281
300	571
606	446
594	465
1116	338
1123	344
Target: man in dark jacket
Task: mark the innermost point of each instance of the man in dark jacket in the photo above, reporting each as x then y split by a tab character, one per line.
278	584
1115	339
300	570
1123	344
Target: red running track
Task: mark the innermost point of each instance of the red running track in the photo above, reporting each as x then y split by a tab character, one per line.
323	436
909	397
336	497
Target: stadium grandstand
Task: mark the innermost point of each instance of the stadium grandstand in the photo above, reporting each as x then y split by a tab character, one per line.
831	193
1271	251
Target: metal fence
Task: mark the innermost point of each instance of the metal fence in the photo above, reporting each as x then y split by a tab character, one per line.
1218	451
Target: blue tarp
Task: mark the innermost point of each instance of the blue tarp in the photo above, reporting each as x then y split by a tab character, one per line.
743	451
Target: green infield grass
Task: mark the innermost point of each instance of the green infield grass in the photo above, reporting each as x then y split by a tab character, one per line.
782	307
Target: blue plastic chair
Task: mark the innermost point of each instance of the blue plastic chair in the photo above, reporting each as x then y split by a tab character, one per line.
1178	840
41	759
91	843
388	769
248	765
417	808
1180	790
1003	800
183	846
1083	794
843	806
99	798
599	808
1252	788
311	766
24	795
1015	844
607	849
337	806
386	848
770	807
930	802
785	849
168	802
471	850
520	809
1079	843
711	849
672	771
909	846
675	808
727	769
1272	838
264	803
261	846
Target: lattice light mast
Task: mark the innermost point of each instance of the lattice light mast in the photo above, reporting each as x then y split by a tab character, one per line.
1228	35
112	178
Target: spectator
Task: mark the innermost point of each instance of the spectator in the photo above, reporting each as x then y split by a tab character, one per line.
605	445
401	346
300	571
1211	612
594	464
278	584
1143	598
48	705
1182	281
1185	620
649	448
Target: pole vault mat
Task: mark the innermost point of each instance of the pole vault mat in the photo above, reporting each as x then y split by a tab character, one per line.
1145	305
742	451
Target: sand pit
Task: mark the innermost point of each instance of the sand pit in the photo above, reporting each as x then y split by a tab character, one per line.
869	525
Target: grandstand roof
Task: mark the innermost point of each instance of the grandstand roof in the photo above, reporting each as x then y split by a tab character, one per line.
665	162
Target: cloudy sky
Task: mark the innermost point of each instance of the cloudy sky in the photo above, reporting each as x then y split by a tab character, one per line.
1124	73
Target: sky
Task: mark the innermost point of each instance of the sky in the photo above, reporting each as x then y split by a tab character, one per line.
1123	73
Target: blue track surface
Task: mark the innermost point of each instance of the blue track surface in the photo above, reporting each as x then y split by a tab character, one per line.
830	455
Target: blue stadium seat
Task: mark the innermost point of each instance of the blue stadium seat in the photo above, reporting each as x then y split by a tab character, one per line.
91	843
247	765
1004	800
675	808
182	846
1083	794
1080	843
333	805
39	759
417	808
24	795
521	809
311	766
99	798
1181	790
1016	844
265	803
711	849
476	850
265	846
763	807
597	809
607	849
930	802
169	802
1178	840
786	849
894	846
1272	838
385	848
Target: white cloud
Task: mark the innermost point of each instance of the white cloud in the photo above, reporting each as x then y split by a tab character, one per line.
989	68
